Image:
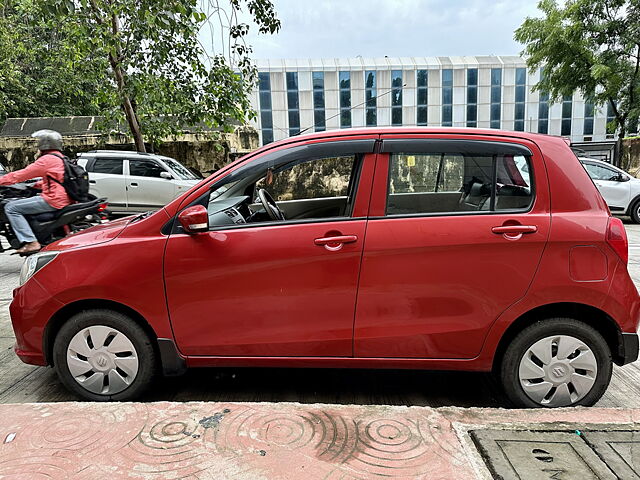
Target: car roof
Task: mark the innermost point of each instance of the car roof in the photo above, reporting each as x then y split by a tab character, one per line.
596	161
126	153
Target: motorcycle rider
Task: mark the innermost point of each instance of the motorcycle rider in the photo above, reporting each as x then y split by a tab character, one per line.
53	197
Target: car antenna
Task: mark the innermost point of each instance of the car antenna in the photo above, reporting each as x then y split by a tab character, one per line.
351	108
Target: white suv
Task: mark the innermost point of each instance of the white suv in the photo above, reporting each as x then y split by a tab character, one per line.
620	190
135	182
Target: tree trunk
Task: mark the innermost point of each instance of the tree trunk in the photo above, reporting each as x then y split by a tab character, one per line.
619	152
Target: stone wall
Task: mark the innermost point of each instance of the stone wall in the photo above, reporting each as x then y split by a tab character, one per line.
206	152
631	155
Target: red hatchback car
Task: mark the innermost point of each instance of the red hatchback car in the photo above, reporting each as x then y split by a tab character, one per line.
455	249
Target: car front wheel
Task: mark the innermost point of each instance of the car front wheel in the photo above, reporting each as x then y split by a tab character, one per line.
634	212
558	362
103	355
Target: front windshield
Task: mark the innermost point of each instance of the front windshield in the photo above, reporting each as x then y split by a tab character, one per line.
183	172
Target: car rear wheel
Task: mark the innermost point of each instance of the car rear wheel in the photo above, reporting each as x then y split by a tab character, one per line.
558	362
104	355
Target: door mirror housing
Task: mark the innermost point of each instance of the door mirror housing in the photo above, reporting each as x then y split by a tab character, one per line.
166	175
194	219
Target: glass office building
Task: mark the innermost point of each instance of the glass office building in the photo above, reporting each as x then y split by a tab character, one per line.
307	95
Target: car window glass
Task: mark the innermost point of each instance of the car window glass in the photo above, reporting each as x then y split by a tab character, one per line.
457	183
319	178
181	170
598	172
112	166
145	168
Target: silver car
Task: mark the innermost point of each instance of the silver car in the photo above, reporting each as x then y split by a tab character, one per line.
620	190
135	182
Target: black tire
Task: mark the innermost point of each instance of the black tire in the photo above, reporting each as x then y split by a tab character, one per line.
510	364
634	212
144	350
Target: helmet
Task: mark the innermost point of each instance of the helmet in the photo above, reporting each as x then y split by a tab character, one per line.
48	140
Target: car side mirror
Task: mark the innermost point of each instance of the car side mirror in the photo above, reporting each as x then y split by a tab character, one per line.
194	219
166	175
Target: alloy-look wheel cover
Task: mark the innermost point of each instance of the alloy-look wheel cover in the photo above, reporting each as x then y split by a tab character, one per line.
557	371
102	360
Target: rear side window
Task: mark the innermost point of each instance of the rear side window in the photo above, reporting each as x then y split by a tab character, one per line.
458	183
111	166
145	168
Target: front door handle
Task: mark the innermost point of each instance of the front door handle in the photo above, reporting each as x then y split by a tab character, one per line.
333	244
134	184
92	182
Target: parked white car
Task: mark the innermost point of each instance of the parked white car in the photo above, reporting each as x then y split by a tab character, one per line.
135	182
620	190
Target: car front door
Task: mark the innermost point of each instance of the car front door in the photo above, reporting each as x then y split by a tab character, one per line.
146	188
284	288
615	192
106	179
457	228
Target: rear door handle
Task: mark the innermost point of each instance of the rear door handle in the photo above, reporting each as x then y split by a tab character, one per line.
334	244
92	182
134	184
514	229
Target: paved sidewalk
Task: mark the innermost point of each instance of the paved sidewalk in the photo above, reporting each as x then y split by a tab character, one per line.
290	441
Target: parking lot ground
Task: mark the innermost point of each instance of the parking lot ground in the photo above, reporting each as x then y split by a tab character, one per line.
324	423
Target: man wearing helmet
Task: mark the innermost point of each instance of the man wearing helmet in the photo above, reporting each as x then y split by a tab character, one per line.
50	166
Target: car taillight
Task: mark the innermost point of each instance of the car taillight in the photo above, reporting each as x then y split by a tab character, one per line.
102	207
617	238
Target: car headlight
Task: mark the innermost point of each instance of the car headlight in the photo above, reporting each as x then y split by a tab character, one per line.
33	263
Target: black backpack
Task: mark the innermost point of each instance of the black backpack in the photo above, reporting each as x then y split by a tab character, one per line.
75	181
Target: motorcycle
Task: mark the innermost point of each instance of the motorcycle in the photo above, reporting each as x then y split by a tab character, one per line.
49	226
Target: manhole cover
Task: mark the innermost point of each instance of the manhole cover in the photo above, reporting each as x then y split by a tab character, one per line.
619	449
540	455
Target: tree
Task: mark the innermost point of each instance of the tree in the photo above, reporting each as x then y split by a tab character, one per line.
591	46
161	79
35	82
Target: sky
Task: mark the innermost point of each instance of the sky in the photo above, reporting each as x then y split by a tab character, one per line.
375	28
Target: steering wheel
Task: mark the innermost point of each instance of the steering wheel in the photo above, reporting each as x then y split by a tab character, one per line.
270	205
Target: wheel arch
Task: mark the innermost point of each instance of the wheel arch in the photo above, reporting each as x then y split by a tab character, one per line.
61	316
632	203
587	314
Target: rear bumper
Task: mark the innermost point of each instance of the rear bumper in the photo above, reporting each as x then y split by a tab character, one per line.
627	349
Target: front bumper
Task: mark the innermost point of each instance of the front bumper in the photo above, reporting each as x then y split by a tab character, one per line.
30	310
627	348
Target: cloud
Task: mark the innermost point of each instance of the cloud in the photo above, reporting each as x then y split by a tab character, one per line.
374	28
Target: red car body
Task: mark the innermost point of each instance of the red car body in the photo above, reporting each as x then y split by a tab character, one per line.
425	291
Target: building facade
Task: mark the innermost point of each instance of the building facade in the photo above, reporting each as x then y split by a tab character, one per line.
310	95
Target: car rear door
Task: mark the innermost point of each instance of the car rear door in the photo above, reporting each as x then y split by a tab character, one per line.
106	179
146	189
456	230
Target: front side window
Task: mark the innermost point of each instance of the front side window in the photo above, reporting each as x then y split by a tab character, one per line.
145	168
320	178
111	166
600	173
457	183
301	188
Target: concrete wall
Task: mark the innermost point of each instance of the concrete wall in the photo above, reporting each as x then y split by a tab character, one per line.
205	152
